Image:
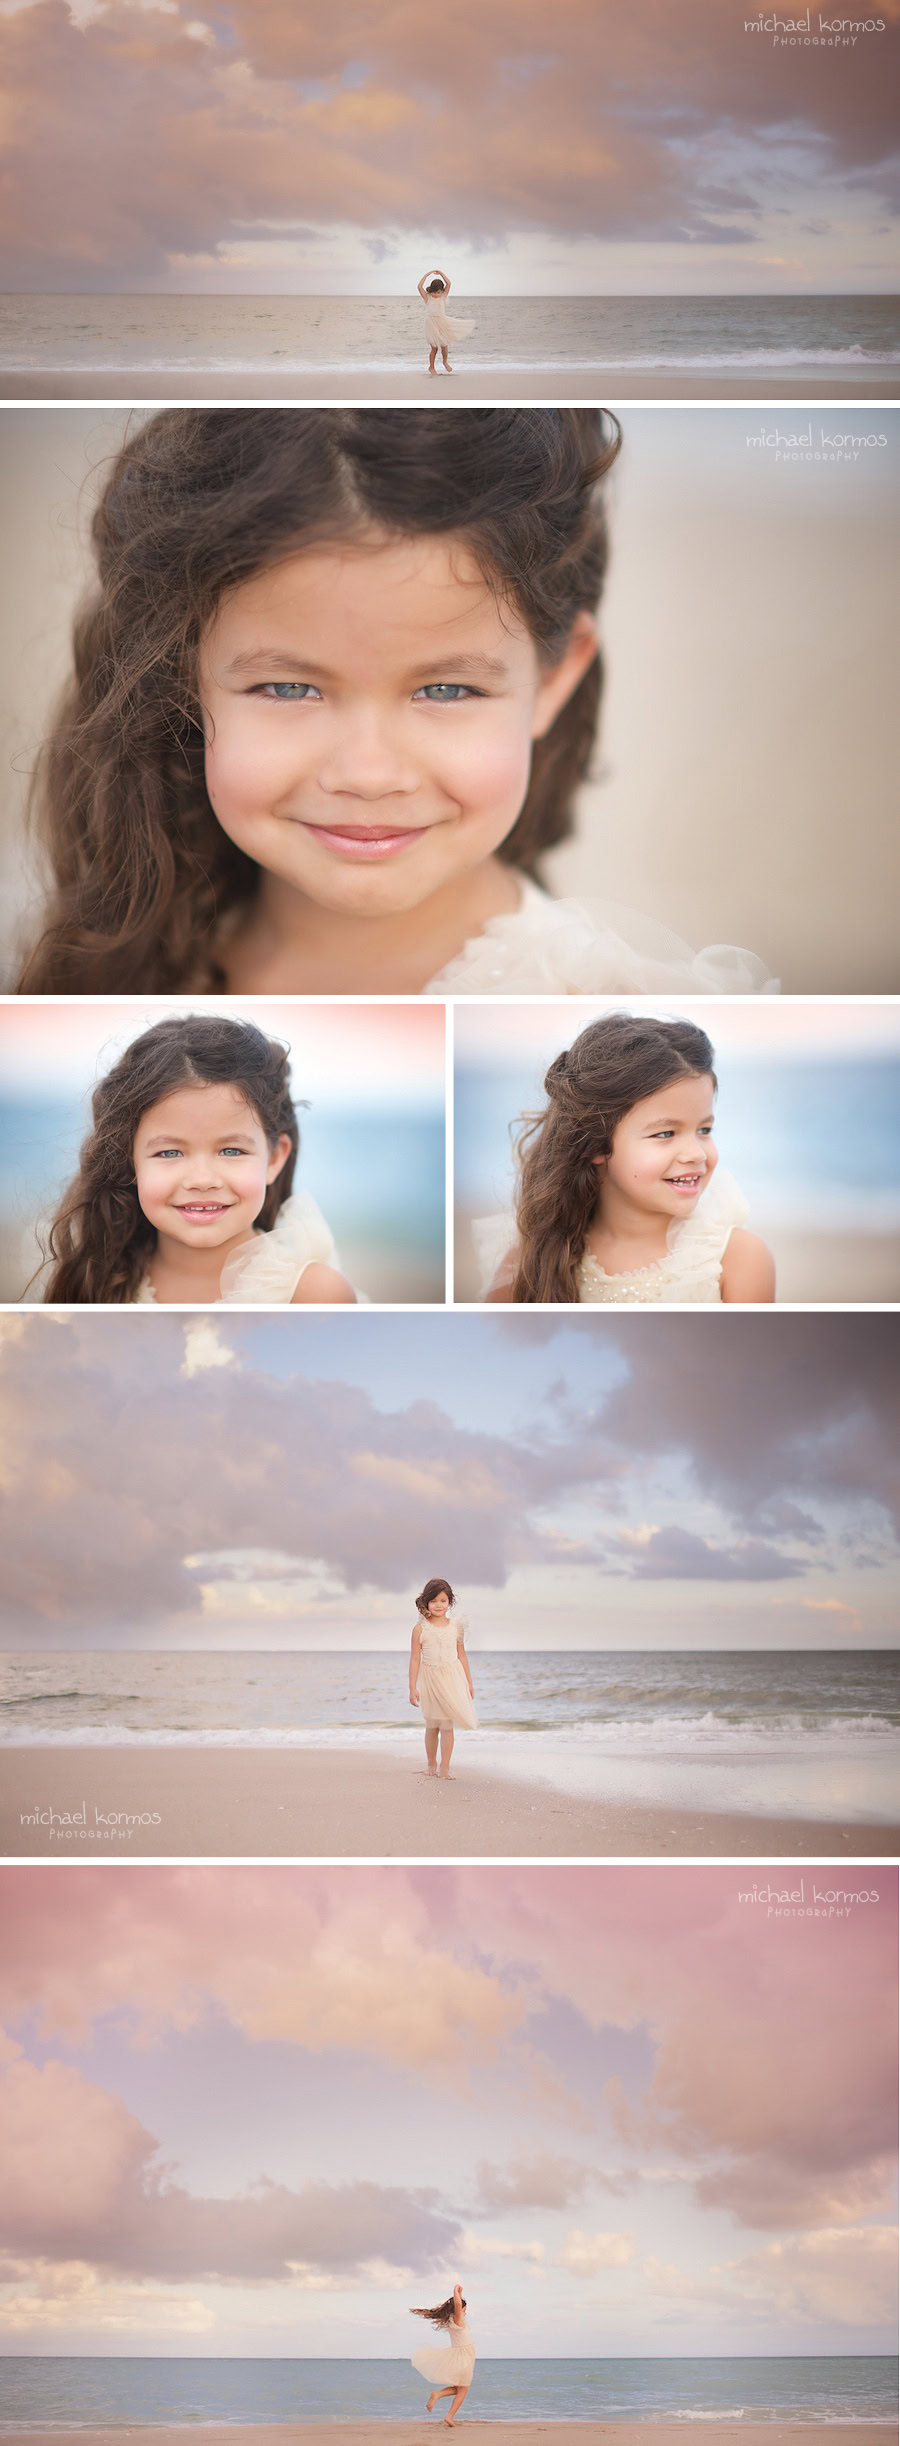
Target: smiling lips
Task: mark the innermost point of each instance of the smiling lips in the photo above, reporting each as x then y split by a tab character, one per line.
365	840
687	1182
203	1212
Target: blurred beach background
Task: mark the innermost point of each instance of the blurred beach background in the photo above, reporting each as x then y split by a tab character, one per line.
371	1143
808	1120
745	782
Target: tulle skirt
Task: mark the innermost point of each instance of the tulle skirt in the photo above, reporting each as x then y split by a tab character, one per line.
445	2366
441	328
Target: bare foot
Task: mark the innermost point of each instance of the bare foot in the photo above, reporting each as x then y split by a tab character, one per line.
432	2400
445	1776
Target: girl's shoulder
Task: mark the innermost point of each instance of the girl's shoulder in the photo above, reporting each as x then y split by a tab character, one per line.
587	947
266	1270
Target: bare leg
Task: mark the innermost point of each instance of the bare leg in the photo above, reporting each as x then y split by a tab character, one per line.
446	1747
432	1737
436	2397
448	369
459	2397
432	367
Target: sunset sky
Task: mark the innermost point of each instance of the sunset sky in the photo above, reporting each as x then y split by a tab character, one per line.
262	2110
275	145
221	1481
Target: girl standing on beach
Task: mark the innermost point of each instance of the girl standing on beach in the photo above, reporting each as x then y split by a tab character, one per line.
440	1681
183	1188
619	1198
332	703
453	2368
440	328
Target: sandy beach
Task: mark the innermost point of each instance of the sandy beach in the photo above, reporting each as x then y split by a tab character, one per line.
611	388
512	2433
159	1802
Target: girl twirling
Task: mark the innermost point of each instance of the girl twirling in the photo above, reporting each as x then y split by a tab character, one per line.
440	328
452	2369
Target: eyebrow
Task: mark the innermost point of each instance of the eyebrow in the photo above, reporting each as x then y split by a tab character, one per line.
259	658
672	1121
170	1138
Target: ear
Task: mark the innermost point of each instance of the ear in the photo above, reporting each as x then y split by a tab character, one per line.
560	681
278	1158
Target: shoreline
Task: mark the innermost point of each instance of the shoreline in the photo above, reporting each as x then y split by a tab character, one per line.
318	1804
538	386
399	2433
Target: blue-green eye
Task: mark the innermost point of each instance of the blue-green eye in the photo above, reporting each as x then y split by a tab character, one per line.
287	691
446	691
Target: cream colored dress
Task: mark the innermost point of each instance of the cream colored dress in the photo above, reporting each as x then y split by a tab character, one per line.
690	1272
443	1689
441	328
448	2365
583	947
264	1271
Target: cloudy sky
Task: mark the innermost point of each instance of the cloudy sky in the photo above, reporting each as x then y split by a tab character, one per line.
663	1480
676	2136
274	144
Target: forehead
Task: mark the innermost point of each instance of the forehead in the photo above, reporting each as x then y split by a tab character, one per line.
199	1108
405	595
688	1099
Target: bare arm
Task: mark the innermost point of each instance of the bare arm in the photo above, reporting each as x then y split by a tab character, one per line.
323	1284
415	1655
748	1270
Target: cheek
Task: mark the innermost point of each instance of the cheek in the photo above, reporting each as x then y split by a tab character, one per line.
249	764
487	771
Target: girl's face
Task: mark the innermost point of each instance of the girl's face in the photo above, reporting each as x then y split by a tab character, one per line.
370	717
440	1604
203	1163
662	1150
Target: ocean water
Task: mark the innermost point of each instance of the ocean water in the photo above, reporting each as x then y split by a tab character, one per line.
815	1144
802	1731
65	2392
852	339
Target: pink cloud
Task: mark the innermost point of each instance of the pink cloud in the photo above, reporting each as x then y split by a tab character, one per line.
81	2182
594	124
774	2038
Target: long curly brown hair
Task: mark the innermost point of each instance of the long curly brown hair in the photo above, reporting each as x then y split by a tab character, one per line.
198	501
100	1241
611	1066
442	2313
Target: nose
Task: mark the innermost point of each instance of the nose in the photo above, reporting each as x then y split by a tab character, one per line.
366	760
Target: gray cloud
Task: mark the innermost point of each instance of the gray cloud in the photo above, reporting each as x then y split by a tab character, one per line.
676	1554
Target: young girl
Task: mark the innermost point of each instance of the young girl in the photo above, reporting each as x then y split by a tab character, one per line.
453	2368
619	1197
331	704
440	328
440	1680
183	1189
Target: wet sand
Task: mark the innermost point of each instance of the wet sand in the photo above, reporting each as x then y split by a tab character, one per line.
507	2433
165	1803
609	387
